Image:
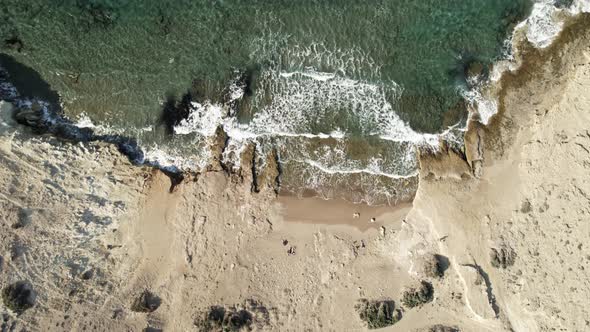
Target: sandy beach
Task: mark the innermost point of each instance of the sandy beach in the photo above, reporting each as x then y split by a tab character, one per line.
499	231
312	210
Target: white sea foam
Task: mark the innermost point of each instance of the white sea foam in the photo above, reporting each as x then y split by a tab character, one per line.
318	76
353	62
485	106
84	121
304	95
370	171
236	91
167	157
544	24
580	6
301	99
203	119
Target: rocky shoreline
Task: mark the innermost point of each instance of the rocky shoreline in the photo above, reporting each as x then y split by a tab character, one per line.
495	239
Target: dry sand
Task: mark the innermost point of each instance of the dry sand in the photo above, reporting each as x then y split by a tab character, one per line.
92	233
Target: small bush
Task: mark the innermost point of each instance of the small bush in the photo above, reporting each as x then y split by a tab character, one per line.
24	218
378	314
526	207
503	257
418	297
436	266
146	302
152	329
233	318
19	296
443	328
228	320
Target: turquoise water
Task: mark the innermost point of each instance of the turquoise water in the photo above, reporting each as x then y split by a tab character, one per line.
351	84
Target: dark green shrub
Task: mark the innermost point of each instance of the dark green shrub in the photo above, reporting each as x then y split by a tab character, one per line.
436	266
19	296
503	257
378	314
243	317
146	302
418	297
443	328
228	320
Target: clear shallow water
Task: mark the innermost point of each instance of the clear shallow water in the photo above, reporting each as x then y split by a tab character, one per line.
343	90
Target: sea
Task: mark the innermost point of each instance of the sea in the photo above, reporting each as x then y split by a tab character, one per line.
341	92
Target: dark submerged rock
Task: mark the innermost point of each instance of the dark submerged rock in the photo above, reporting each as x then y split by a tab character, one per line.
14	43
174	111
97	14
475	69
469	71
165	23
37	106
563	3
29	83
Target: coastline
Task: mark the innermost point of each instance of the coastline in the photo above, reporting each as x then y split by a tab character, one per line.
140	156
169	159
517	208
509	220
530	59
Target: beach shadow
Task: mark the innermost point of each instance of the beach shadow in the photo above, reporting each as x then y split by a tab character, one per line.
28	81
38	107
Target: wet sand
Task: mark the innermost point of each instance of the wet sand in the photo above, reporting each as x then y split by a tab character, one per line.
313	210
